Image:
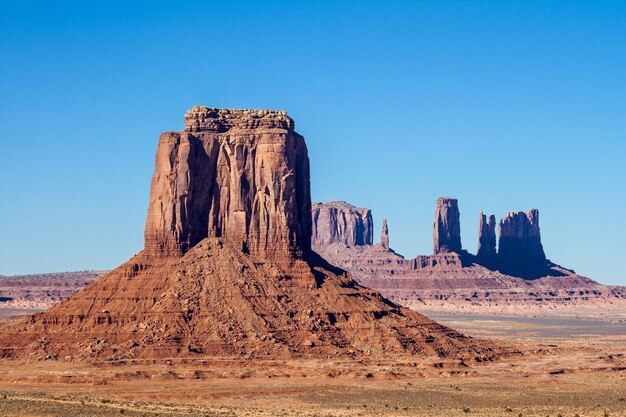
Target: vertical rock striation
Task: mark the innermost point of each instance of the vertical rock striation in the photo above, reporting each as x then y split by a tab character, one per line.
384	235
486	253
242	175
447	227
520	251
340	222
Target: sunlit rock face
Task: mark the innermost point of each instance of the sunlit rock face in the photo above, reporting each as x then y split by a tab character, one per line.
242	175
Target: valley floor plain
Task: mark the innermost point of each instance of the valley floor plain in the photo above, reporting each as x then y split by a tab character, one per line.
568	367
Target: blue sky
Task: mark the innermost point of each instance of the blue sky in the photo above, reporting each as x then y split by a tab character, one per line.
504	105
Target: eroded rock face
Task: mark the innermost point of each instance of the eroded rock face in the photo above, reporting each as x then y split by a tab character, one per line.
340	222
520	251
447	227
486	239
242	175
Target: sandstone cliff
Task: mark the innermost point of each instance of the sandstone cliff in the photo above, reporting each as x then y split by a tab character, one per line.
338	221
242	175
447	227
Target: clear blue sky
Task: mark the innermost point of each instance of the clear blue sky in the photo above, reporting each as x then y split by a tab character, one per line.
504	105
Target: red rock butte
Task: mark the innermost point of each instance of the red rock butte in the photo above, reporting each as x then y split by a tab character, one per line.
227	267
241	175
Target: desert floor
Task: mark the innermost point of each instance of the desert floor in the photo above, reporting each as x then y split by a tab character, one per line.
568	367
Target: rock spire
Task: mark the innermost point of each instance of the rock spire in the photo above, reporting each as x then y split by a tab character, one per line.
242	175
447	226
384	235
486	239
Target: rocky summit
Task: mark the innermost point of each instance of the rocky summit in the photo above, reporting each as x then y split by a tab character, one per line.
227	267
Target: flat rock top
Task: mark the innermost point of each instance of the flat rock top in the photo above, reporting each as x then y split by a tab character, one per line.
202	118
337	204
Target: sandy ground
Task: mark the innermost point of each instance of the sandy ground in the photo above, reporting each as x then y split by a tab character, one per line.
568	368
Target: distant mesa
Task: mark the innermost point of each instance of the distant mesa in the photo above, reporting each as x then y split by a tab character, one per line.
227	267
513	276
338	221
40	291
519	252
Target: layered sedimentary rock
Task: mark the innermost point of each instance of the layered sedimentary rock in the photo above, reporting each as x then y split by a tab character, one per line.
486	239
384	235
340	222
242	175
227	267
447	226
520	251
